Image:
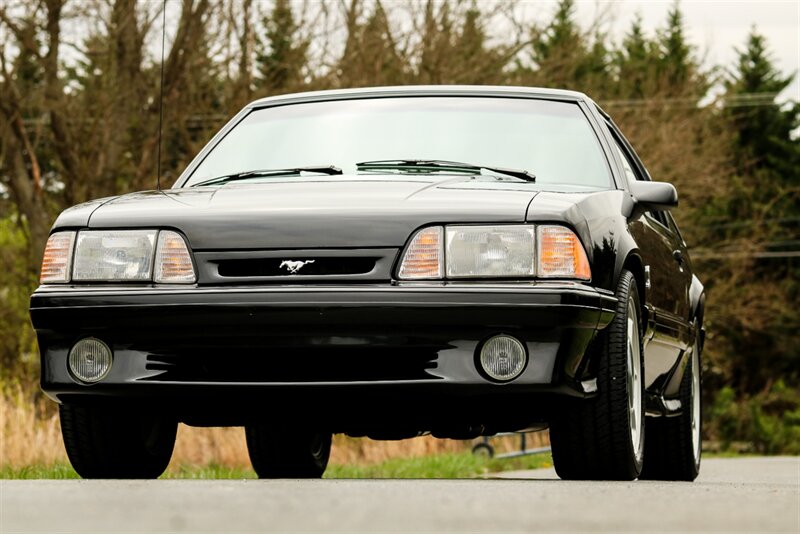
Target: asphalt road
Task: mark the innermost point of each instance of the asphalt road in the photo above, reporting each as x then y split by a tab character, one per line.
753	494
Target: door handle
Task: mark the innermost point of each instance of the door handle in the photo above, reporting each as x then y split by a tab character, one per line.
678	255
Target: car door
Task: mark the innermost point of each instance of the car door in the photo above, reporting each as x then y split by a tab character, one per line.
666	261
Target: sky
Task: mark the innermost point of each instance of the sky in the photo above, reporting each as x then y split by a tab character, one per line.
715	27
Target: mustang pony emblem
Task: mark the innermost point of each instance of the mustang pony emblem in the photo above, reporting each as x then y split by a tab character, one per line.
294	266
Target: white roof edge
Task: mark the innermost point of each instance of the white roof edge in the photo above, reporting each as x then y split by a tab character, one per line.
400	90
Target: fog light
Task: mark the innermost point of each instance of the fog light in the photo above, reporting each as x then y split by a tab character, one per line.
503	358
90	360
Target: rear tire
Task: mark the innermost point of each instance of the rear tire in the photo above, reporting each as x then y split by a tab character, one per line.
287	453
603	437
673	448
116	442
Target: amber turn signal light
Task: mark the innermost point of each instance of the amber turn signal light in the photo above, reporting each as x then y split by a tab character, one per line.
561	254
424	257
57	259
173	261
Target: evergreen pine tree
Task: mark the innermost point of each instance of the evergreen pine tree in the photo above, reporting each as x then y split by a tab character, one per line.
764	129
475	61
676	64
455	48
371	55
556	47
763	203
436	44
636	62
564	57
284	52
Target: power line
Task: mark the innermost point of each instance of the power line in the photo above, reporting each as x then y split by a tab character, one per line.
760	255
738	224
688	104
725	100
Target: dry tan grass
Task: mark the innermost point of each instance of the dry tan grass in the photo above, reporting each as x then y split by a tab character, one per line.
30	435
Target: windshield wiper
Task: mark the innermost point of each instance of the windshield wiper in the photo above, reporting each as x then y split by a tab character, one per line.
437	164
322	169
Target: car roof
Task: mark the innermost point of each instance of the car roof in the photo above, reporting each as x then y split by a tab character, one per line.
421	90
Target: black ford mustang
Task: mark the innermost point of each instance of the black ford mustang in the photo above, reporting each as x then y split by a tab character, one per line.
388	262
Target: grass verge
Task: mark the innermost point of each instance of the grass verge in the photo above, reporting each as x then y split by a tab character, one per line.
449	465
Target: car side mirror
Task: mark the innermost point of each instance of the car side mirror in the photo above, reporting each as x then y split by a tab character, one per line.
652	196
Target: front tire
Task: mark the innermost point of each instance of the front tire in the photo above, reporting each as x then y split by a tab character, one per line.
603	437
287	453
673	449
116	442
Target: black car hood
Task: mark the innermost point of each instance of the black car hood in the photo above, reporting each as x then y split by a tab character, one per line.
309	213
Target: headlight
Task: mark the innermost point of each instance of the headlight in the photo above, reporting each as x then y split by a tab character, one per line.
489	251
114	255
497	251
117	256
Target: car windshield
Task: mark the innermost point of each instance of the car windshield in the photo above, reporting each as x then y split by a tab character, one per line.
550	139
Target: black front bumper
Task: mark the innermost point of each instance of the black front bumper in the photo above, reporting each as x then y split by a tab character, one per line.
200	346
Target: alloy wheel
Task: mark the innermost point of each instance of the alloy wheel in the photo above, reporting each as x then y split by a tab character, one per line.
634	379
696	402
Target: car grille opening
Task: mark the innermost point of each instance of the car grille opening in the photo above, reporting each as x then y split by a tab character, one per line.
307	364
264	267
